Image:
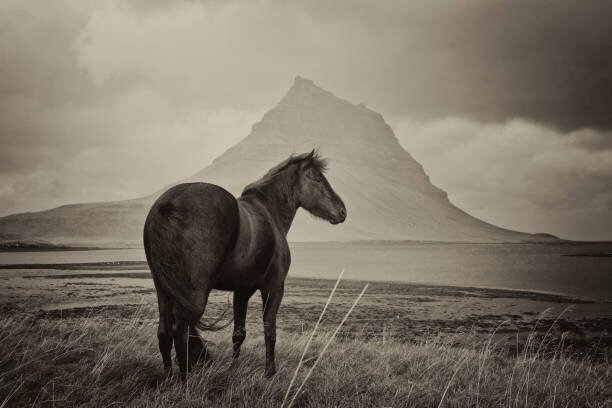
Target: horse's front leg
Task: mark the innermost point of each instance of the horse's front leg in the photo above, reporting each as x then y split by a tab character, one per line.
271	302
241	303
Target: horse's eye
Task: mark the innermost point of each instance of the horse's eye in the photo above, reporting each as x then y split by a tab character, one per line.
314	177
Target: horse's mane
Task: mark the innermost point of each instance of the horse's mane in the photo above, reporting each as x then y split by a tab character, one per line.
313	159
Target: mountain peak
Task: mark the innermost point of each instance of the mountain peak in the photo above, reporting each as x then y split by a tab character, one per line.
305	92
301	81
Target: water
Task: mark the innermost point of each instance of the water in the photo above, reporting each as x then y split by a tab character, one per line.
534	267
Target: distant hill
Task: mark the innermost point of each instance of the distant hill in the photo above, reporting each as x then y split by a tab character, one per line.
27	245
387	193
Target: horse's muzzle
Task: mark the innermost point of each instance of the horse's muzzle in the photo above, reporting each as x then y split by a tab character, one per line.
340	217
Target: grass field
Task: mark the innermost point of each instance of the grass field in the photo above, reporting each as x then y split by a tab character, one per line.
88	338
99	362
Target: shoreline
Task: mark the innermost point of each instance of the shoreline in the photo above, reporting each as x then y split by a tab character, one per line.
112	266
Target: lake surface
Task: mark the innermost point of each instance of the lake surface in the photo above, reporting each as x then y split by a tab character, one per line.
536	267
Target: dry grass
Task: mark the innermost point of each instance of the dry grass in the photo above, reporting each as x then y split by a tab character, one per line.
99	362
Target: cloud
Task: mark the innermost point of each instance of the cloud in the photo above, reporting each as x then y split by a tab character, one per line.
145	145
518	174
113	99
241	54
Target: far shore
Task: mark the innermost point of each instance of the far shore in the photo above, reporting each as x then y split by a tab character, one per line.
46	246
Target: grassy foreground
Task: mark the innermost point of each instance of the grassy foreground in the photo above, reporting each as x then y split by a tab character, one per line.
100	362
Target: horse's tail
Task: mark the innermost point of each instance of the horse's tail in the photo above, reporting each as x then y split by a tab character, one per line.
162	270
213	326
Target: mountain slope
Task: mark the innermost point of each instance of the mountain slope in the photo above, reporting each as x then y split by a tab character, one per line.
387	193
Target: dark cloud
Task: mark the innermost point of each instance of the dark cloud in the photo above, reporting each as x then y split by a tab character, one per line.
546	61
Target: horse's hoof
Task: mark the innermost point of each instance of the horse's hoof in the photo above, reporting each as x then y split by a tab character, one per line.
270	371
204	360
167	372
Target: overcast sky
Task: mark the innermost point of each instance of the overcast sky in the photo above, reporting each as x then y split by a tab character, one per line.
507	104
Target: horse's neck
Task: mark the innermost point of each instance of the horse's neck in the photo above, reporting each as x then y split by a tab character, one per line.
280	201
284	218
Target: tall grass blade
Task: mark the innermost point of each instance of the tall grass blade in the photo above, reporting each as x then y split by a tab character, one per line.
297	369
327	345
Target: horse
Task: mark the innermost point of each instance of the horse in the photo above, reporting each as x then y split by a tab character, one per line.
199	237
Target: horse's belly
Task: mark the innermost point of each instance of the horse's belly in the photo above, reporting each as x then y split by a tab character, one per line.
233	280
245	271
224	285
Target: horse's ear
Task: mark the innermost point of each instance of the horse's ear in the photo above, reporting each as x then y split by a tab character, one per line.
307	161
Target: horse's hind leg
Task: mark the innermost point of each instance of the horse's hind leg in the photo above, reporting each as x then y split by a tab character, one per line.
179	333
164	330
198	352
182	333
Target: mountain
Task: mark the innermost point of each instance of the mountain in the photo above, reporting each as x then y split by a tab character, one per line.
387	193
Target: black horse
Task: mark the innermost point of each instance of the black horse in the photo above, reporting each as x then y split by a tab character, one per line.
198	237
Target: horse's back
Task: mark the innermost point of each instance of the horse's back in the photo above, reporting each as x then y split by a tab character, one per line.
197	202
188	233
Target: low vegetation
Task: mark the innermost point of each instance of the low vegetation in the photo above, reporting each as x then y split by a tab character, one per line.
100	362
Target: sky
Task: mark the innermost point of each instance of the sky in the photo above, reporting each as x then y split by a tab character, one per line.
506	104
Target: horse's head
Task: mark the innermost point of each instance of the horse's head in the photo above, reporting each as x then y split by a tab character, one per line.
315	194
